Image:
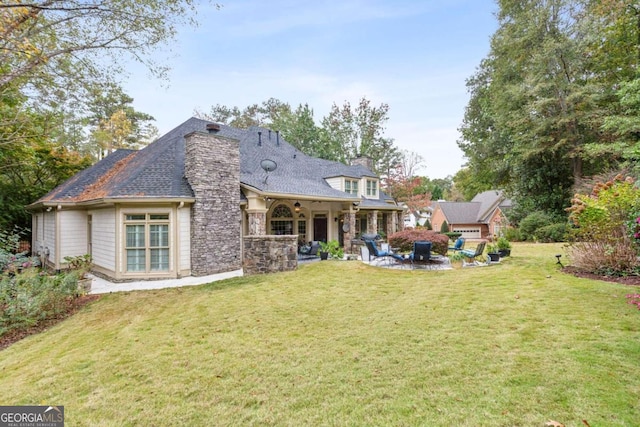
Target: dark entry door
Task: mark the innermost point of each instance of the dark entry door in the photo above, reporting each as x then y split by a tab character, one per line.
320	229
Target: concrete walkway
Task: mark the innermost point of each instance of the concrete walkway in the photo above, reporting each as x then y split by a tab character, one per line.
102	286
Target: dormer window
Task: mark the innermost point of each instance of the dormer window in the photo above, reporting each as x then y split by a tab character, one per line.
351	186
372	188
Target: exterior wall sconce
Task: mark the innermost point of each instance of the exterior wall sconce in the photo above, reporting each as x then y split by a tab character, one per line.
296	206
335	219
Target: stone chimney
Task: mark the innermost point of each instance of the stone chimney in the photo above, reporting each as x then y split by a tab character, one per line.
365	161
212	167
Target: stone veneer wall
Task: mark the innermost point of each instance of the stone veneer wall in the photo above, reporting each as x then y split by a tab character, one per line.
212	167
270	254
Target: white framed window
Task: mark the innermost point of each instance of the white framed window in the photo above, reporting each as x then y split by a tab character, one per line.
147	242
351	186
281	220
372	188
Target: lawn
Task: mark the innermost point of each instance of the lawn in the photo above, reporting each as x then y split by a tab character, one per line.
343	343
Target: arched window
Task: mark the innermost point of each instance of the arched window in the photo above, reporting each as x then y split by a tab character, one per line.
282	220
282	211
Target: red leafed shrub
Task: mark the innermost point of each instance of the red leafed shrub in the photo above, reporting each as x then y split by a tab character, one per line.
403	240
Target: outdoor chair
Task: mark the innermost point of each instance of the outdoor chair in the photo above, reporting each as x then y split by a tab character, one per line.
458	245
421	252
377	253
471	255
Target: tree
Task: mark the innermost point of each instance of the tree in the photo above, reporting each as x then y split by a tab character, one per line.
42	38
354	132
344	134
54	56
534	122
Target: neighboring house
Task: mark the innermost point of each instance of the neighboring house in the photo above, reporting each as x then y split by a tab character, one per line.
413	218
482	217
189	203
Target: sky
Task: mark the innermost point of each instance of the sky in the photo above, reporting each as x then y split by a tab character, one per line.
412	55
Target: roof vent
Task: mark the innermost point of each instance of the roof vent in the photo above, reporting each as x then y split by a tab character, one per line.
259	139
278	138
213	127
269	134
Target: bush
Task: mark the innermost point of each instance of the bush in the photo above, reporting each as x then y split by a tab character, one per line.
532	222
403	240
603	240
453	235
552	233
11	260
28	298
513	234
444	228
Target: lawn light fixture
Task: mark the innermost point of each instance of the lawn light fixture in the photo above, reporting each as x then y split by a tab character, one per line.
558	258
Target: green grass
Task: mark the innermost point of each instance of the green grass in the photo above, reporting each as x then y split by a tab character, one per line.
342	343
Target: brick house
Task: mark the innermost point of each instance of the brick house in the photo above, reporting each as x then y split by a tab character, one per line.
481	218
204	199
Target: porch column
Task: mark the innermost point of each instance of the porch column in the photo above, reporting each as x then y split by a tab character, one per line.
349	218
372	222
392	223
257	223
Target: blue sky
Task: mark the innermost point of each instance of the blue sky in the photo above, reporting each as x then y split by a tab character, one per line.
412	55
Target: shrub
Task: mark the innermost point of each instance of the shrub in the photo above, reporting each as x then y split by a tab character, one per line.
531	223
444	228
513	234
453	235
552	233
11	260
602	241
29	298
403	240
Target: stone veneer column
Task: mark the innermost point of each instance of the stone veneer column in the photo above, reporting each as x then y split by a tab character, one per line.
392	222
212	167
257	223
349	218
372	222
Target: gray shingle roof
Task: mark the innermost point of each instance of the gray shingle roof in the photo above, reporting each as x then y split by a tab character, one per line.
157	171
478	210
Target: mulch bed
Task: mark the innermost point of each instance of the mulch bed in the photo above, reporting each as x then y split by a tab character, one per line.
72	307
623	280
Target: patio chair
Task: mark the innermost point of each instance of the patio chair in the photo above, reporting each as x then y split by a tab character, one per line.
377	253
458	245
421	252
471	255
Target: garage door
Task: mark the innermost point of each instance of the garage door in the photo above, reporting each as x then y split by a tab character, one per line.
469	233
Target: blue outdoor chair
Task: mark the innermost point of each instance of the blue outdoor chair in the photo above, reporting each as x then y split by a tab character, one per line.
458	245
373	250
471	255
421	252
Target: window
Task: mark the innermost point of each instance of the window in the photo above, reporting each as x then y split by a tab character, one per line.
351	186
147	242
302	230
281	220
372	188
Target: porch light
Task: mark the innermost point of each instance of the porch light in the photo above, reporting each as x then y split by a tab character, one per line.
297	206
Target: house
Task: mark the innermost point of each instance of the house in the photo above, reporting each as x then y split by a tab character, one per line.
415	217
207	198
482	217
